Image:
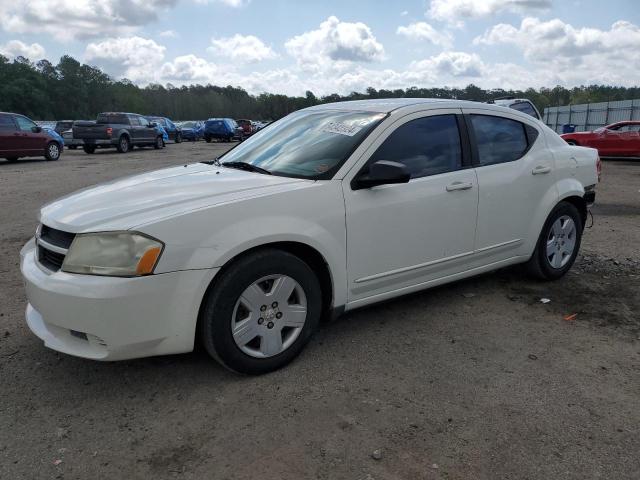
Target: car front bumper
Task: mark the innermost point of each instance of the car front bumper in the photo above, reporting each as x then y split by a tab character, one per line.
109	318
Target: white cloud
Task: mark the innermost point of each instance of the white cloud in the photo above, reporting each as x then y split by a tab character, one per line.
16	48
574	55
456	11
240	48
66	20
424	31
335	44
452	64
135	58
169	34
191	69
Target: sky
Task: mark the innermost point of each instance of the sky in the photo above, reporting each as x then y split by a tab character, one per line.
331	46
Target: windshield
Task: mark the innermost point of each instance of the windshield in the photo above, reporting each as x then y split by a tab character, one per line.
306	144
188	124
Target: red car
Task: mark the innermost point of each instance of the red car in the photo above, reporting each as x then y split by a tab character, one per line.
621	139
247	127
21	137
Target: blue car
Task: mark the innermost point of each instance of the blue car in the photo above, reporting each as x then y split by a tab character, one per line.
225	129
55	135
193	131
173	131
165	136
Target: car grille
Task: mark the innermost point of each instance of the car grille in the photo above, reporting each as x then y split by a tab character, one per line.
52	247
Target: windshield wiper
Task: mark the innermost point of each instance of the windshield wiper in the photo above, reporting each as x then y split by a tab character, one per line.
215	162
246	166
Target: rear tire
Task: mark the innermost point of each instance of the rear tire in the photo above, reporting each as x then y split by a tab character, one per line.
262	279
89	149
207	139
558	244
52	151
159	143
178	138
123	144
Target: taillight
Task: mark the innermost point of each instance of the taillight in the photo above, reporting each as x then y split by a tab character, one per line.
109	131
599	167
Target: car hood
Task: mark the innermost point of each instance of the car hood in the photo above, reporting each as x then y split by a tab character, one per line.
142	199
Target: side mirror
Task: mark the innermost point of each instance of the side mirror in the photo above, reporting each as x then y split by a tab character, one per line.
382	172
153	124
36	129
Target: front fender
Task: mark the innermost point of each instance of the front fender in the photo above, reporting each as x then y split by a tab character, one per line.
211	237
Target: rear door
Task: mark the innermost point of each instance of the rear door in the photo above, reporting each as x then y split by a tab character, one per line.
400	236
515	174
9	135
30	141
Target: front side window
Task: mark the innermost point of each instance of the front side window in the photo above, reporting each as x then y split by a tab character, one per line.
143	121
25	124
499	139
306	144
426	146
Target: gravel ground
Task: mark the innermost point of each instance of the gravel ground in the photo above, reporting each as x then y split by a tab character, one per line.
472	380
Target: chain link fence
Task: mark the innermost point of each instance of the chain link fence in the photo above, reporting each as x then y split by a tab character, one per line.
589	116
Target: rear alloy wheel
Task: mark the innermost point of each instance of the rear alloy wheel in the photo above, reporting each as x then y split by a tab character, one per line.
89	149
261	312
558	244
123	144
52	152
159	143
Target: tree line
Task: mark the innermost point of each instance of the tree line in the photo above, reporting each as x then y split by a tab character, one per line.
71	90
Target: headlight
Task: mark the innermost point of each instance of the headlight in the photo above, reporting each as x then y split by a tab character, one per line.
118	254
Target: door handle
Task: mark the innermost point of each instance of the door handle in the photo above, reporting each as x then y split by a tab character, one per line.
452	187
540	169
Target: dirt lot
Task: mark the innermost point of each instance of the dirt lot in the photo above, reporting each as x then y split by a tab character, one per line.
468	381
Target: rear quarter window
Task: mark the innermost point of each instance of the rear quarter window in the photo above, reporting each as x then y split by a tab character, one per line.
499	139
6	123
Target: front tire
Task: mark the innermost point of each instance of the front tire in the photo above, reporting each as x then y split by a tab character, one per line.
159	143
261	312
89	149
123	144
52	151
558	244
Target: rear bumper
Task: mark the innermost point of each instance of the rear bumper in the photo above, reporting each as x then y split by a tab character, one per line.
99	142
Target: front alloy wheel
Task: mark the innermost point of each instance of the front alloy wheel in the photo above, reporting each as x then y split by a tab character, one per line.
52	152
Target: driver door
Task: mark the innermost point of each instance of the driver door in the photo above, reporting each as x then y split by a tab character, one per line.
406	235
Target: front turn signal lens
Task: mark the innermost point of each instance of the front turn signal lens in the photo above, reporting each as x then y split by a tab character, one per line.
148	261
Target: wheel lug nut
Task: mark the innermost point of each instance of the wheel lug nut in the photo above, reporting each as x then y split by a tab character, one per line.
263	308
274	304
260	321
270	325
279	315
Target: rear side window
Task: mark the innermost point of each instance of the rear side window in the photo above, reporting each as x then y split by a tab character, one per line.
6	123
426	146
524	107
113	118
499	139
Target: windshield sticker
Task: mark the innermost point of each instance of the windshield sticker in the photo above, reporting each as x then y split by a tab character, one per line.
341	129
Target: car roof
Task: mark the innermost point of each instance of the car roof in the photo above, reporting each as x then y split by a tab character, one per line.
387	105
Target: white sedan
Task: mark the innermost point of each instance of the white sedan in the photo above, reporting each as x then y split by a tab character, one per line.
331	208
